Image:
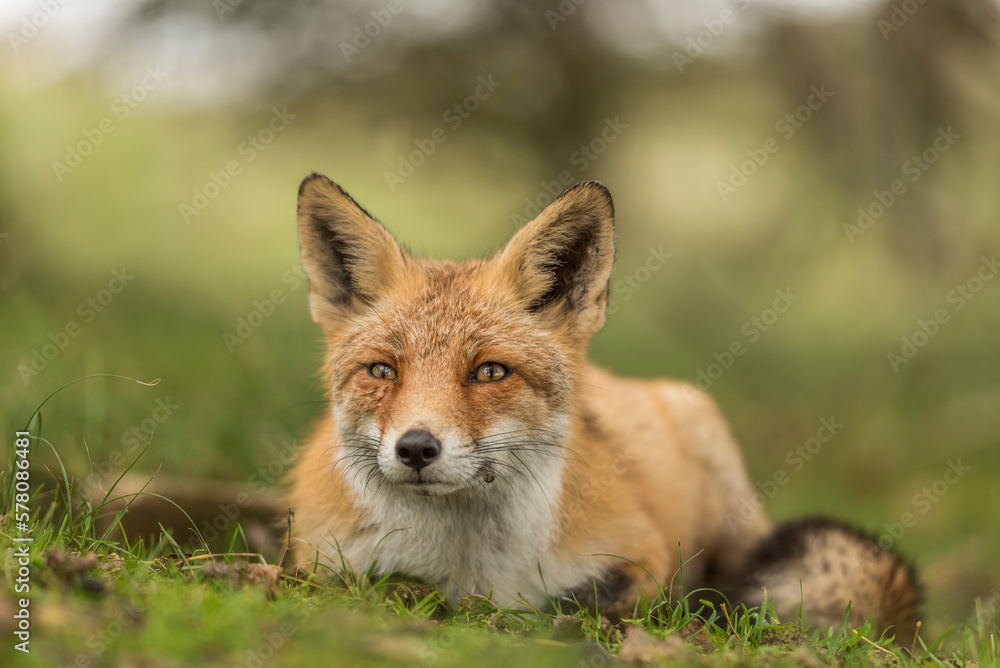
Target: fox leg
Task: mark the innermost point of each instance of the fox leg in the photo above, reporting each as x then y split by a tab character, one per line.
614	593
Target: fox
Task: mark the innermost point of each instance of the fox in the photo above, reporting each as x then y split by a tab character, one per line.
469	443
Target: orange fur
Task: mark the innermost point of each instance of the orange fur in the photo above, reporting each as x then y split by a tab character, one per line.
559	466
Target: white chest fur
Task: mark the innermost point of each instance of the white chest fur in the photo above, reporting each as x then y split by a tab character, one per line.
493	537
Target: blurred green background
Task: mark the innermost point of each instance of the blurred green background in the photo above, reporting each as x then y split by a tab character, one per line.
115	116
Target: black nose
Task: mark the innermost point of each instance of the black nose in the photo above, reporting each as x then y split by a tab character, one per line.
417	448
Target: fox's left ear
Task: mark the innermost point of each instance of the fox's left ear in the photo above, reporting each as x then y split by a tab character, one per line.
560	263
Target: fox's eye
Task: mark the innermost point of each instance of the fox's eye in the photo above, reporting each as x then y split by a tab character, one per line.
382	371
489	372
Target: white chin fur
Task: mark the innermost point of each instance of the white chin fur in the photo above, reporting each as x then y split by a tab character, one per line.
461	532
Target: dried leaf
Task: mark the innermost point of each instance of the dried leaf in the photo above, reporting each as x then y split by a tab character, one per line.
68	564
567	628
639	647
261	576
694	634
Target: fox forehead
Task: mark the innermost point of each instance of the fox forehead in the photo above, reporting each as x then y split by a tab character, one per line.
434	328
444	310
531	307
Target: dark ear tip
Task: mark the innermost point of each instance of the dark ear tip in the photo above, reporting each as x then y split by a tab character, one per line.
592	189
319	190
313	178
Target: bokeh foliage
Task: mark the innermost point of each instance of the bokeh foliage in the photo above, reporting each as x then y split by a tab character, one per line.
784	229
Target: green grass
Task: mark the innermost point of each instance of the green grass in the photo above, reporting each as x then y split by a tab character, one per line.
96	602
162	612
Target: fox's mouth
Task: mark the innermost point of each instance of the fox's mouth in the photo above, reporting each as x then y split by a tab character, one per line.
484	474
432	487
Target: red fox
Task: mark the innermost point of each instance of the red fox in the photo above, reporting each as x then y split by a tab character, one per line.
470	444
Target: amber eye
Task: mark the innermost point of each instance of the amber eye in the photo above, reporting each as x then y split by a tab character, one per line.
382	371
489	372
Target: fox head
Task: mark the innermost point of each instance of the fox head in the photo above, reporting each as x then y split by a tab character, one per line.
446	377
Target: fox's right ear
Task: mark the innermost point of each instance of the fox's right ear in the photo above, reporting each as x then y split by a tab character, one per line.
349	257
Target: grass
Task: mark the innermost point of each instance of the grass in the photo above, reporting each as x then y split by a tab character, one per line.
96	601
157	610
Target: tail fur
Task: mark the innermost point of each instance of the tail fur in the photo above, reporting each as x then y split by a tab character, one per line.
820	565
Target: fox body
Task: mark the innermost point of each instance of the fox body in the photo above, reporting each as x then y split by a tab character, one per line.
469	442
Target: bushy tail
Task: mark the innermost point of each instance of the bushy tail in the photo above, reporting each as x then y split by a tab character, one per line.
822	564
